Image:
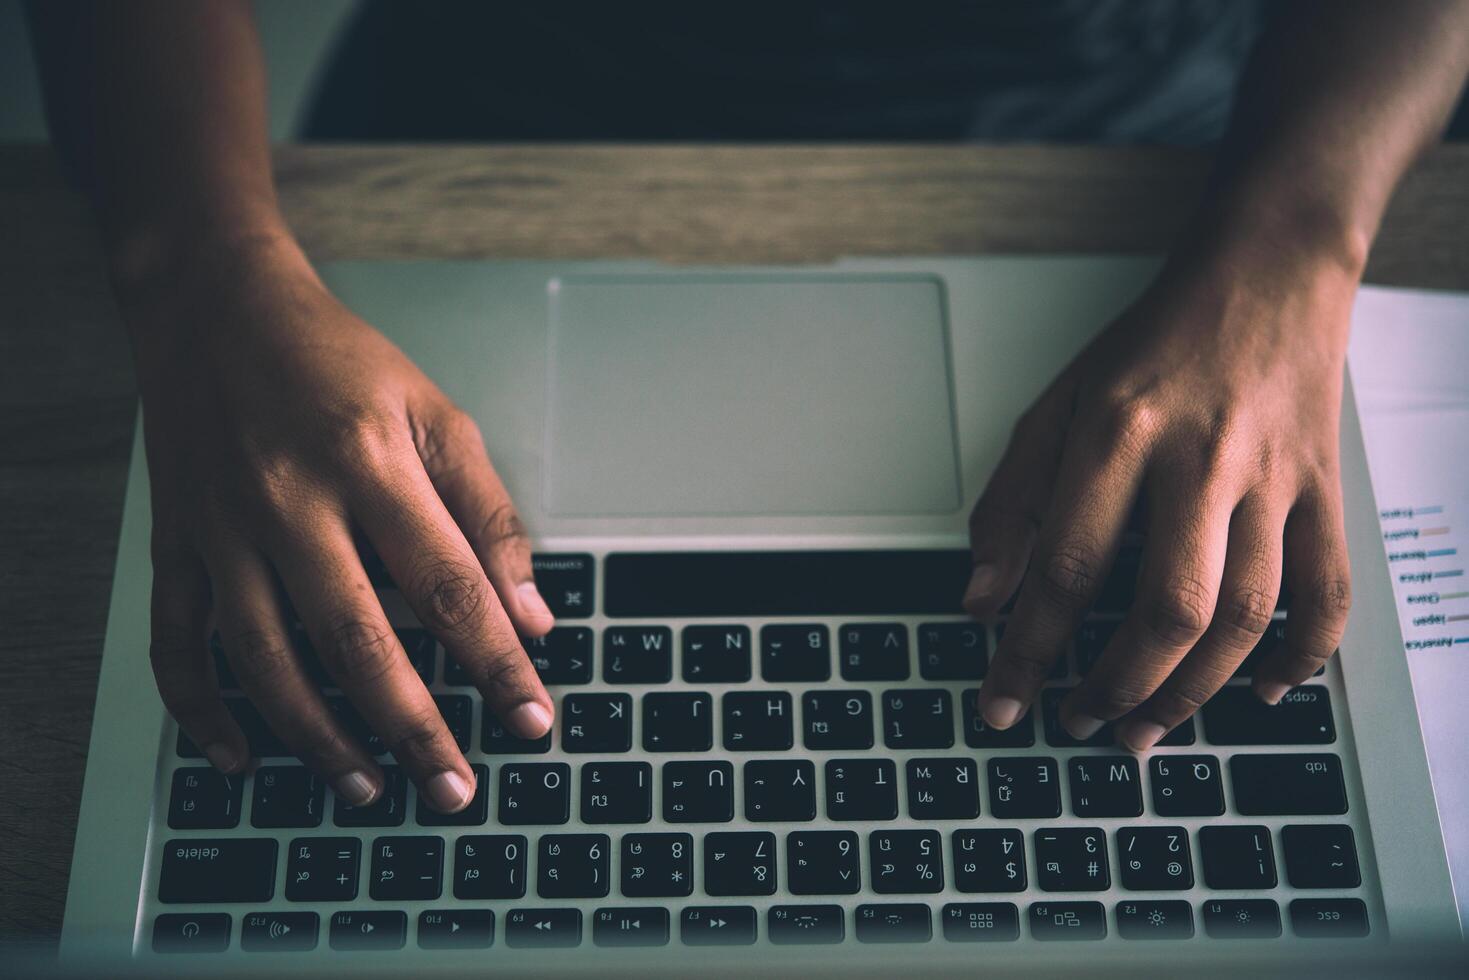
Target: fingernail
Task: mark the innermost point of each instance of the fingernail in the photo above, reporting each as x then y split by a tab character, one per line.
532	606
449	791
1002	712
1083	726
982	582
1271	691
356	788
530	720
1143	735
221	757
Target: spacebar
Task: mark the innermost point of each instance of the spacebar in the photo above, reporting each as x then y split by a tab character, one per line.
785	583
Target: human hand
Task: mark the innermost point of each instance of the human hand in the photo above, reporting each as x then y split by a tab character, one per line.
1214	403
280	430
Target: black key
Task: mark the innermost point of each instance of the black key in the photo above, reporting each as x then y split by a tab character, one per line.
1050	921
368	929
698	792
717	925
678	722
780	790
387	810
952	652
1091	639
917	719
1023	787
217	869
322	869
1241	918
741	863
796	653
1328	918
406	869
822	862
861	789
1051	699
1165	919
805	925
979	735
263	742
1237	857
1320	856
287	796
836	719
905	862
458	712
535	793
1235	716
616	792
420	647
1186	786
1182	734
896	923
637	655
1154	859
495	740
489	866
943	789
757	721
203	798
981	922
989	860
1105	786
1273	638
191	932
1275	785
1072	859
574	866
279	932
596	722
456	928
473	815
630	927
657	865
543	928
562	656
874	652
716	654
567	583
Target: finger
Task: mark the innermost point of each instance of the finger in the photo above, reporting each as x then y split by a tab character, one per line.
445	586
324	576
1183	561
453	454
1003	524
1099	474
1247	594
257	643
1319	578
182	666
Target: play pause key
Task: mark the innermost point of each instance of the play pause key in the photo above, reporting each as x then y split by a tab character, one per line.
630	927
543	928
368	930
456	928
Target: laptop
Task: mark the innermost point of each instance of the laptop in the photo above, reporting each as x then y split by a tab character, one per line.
747	490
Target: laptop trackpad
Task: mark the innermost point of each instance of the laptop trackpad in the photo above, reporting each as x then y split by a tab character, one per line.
748	395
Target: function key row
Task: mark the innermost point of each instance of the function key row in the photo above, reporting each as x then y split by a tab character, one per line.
736	925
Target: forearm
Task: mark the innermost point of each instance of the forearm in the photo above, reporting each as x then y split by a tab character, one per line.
1338	101
159	107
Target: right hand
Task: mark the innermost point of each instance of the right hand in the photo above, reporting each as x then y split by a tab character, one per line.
280	431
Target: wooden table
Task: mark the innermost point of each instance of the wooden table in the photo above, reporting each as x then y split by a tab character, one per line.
68	394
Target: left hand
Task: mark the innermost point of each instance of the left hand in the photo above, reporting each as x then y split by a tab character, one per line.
1213	402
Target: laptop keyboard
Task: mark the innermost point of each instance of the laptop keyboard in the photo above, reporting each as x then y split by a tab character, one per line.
774	748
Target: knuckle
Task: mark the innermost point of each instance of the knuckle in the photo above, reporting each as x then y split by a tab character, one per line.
1127	423
1331	600
260	654
362	443
453	596
421	735
1069	575
502	526
361	648
1248	611
1179	612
